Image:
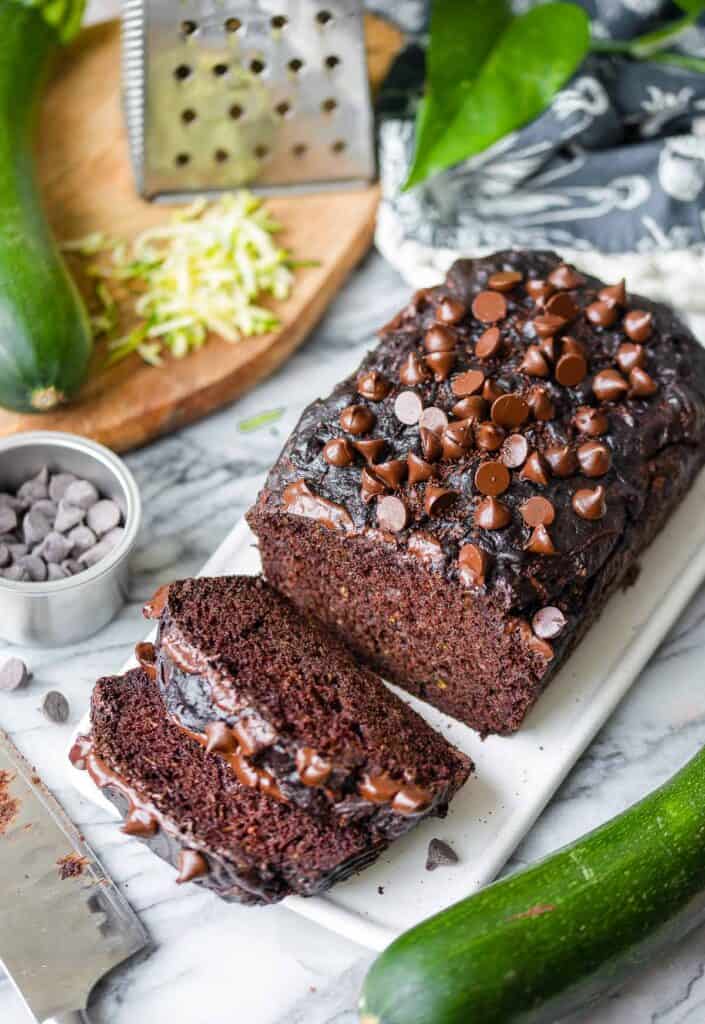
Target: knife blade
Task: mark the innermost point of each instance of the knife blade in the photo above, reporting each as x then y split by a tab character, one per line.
63	922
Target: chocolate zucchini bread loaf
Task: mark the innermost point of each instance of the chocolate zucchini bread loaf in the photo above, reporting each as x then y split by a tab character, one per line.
460	509
284	704
190	809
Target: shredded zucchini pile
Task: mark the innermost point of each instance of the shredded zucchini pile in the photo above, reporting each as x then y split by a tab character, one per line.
201	273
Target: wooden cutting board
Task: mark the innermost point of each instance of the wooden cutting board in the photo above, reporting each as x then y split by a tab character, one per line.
87	185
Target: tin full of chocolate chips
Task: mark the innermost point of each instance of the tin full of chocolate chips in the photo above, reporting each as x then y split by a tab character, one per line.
73	597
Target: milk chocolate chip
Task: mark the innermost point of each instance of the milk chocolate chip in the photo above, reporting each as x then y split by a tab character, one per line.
562	460
392	473
450	311
413	370
565	277
540	404
489	437
505	280
438	499
338	452
467	383
371	450
441	363
473	565
492	478
548	622
538	511
488	344
440	339
571	368
510	410
370	486
638	324
594	458
489	307
609	385
613	294
540	543
408	407
418	469
433	419
590	504
492	514
630	355
357	419
641	385
600	314
534	362
392	514
430	445
515	450
373	385
592	422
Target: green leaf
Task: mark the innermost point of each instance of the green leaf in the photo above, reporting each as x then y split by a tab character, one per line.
263	419
65	16
495	88
691	6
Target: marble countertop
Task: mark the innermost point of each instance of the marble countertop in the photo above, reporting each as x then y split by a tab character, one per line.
214	962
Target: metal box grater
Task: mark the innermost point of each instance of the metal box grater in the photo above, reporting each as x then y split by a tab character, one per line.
269	93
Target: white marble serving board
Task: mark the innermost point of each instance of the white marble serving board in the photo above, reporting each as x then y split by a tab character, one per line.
516	776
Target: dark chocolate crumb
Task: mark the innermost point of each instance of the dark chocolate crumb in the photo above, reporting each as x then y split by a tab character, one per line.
380	890
440	854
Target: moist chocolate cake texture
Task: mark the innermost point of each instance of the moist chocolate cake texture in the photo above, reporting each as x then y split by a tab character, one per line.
460	509
189	807
285	705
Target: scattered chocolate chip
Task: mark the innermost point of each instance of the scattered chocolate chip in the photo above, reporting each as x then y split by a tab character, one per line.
489	307
562	459
467	383
103	516
440	854
491	391
457	438
592	422
571	369
13	675
515	450
505	280
638	324
373	385
489	437
441	363
371	450
440	339
609	386
81	493
392	473
370	486
68	516
438	499
538	511
408	407
492	477
548	622
492	514
548	324
472	561
357	419
413	370
450	311
613	294
540	543
641	385
338	452
392	514
418	469
430	444
540	404
433	419
600	314
474	407
534	362
565	277
630	355
594	458
539	290
535	470
488	344
510	411
590	504
55	706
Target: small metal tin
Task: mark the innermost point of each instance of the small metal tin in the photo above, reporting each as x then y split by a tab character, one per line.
61	612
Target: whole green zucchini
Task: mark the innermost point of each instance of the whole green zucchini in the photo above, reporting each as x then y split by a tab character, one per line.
535	946
45	337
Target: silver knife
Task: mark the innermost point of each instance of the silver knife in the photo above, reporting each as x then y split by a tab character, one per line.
63	922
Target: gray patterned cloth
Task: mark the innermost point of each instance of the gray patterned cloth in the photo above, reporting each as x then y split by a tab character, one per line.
616	164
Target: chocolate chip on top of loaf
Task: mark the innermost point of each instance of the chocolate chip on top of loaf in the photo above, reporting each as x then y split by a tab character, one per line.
519	435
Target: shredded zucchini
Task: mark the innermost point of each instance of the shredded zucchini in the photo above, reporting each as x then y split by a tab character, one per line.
201	273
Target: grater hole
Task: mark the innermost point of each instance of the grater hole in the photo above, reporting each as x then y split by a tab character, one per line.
219	70
332	61
220	156
279	21
299	149
182	159
182	72
283	108
188	28
233	25
323	17
261	151
295	64
189	115
329	105
236	111
257	66
339	146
